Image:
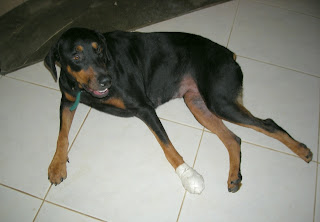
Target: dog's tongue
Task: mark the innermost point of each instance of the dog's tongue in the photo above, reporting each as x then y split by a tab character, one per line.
100	93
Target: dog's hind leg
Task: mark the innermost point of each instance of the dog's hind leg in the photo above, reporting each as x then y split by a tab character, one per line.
222	98
199	109
236	113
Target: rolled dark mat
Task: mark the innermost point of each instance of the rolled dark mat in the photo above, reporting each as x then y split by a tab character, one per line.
28	31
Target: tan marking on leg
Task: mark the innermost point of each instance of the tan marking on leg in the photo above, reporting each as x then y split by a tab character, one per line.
204	116
170	152
57	170
298	148
234	56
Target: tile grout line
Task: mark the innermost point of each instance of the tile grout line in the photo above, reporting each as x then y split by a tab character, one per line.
279	66
182	124
184	197
234	20
44	199
20	191
315	194
318	133
68	209
194	162
285	8
72	210
32	83
195	158
248	142
76	136
278	151
271	149
236	14
317	171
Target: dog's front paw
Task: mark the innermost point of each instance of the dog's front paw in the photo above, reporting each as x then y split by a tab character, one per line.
57	171
234	183
191	180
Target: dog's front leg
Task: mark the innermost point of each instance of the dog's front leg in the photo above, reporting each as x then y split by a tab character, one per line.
191	180
57	171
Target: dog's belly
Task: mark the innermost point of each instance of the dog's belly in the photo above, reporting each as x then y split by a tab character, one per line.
187	84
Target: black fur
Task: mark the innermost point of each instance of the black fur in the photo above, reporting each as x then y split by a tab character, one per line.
131	74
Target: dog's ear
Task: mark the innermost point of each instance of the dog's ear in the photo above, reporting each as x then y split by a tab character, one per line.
103	39
50	60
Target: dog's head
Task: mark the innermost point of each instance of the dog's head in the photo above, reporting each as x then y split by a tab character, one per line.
83	56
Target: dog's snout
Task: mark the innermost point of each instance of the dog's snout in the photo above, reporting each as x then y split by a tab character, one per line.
104	81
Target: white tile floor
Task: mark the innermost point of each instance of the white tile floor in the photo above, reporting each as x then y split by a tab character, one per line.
117	171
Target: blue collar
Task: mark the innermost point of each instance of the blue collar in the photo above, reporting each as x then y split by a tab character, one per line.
76	103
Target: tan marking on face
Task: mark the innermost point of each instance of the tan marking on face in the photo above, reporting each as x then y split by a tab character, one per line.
69	97
239	99
83	76
79	48
94	45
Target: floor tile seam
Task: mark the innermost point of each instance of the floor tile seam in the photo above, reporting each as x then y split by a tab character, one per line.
21	191
317	173
233	22
194	162
42	202
49	189
44	199
284	8
32	83
182	124
268	148
181	206
315	194
74	211
275	150
279	66
78	132
198	148
318	154
47	193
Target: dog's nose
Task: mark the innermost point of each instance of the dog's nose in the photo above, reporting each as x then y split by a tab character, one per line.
104	81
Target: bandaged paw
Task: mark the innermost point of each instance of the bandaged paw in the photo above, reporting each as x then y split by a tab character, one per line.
191	180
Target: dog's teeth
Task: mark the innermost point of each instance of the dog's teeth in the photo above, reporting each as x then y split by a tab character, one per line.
102	91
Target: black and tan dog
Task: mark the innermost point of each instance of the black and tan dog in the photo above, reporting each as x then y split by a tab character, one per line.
130	74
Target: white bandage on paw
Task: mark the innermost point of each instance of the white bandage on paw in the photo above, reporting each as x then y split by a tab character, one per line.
191	180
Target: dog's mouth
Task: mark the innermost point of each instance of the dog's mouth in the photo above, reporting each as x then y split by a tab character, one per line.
97	93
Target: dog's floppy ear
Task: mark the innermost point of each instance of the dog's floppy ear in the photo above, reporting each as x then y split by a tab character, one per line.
51	59
103	39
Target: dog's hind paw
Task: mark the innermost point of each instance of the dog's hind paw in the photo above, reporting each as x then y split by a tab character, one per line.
191	180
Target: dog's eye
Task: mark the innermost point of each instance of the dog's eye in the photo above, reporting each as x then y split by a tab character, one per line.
76	57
